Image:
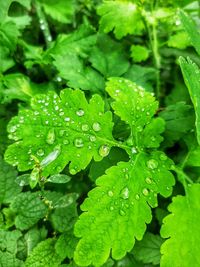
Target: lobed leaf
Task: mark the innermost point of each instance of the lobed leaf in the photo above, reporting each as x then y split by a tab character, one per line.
191	75
136	107
182	245
122	16
120	206
59	130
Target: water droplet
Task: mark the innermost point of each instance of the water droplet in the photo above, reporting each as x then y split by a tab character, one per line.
13	129
167	188
78	142
145	192
111	208
148	180
62	132
51	157
137	197
72	171
40	152
124	193
85	127
122	212
110	193
139	128
126	176
163	157
96	126
67	119
133	150
80	112
92	138
104	150
65	141
51	137
152	164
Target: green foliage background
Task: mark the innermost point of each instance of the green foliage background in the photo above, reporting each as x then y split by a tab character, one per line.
99	133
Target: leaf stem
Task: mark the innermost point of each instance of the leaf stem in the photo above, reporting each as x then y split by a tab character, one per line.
44	26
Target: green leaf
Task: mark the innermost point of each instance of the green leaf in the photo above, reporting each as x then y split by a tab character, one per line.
124	17
61	10
33	237
77	43
143	76
193	157
59	179
8	241
58	130
44	255
29	209
191	29
8	248
9	260
65	214
148	249
182	246
191	75
77	74
119	207
139	53
108	57
179	119
98	168
136	107
19	86
179	40
67	241
9	35
8	187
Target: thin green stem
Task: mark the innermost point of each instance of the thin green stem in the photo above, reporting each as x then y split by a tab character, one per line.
156	56
44	26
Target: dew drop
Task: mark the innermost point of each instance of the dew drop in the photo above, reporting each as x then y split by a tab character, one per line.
67	119
152	164
92	138
96	126
148	180
110	193
65	141
78	142
51	137
104	150
85	127
133	150
80	112
62	132
145	192
111	208
137	197
13	129
139	128
163	157
40	152
51	157
122	212
72	171
126	176
124	193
